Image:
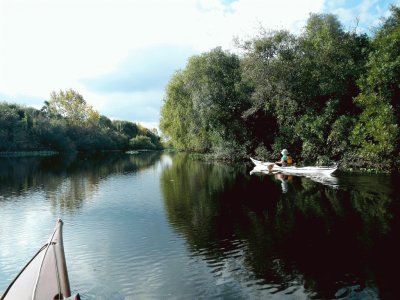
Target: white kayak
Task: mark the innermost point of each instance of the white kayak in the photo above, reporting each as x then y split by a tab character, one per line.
272	167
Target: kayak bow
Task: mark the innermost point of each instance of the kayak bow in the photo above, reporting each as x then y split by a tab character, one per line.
45	276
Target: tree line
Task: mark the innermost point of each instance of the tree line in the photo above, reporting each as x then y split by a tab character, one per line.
326	94
67	122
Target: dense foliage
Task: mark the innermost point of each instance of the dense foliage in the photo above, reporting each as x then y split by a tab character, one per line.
325	94
204	103
66	122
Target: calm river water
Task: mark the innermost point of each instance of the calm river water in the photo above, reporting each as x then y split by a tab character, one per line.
163	226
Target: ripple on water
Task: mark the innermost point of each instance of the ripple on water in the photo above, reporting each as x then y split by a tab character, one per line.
125	240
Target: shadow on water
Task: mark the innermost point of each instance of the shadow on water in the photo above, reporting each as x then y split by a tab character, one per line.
328	242
67	180
258	237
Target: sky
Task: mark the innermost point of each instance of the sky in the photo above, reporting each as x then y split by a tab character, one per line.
120	54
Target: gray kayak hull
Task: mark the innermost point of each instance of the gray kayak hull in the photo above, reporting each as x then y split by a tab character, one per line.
45	276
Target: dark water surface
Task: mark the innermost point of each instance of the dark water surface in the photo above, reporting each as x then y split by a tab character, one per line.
161	226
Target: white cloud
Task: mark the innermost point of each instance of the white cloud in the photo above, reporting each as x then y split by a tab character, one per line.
141	107
145	69
365	14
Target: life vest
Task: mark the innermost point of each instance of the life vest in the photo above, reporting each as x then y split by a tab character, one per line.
289	160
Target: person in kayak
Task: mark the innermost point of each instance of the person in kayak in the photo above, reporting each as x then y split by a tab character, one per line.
286	159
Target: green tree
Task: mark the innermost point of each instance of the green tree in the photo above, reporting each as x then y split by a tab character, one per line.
24	128
376	133
302	84
331	63
127	128
142	142
9	120
332	60
178	118
105	122
270	66
72	106
204	104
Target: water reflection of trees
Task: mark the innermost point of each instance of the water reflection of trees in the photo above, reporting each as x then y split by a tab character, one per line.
319	237
68	180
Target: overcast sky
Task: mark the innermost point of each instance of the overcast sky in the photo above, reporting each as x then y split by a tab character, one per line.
120	54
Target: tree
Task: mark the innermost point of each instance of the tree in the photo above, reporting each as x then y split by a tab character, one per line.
204	104
179	119
302	84
9	123
332	61
142	142
376	133
218	94
127	128
73	107
270	65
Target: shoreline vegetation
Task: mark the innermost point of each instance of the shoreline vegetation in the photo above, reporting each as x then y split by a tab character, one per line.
66	123
27	153
327	94
10	154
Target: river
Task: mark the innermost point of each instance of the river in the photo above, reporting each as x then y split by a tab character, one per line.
167	226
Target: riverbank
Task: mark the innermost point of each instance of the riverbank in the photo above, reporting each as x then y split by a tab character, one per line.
11	154
344	165
27	153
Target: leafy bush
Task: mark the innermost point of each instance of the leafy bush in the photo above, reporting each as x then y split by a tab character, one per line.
142	142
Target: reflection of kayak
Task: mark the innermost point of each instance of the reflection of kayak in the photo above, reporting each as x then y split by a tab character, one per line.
272	167
45	276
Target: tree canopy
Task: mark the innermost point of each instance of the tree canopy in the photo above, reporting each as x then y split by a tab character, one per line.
72	106
203	105
67	122
326	94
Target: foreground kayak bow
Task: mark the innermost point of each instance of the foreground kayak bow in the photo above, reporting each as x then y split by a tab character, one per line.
45	276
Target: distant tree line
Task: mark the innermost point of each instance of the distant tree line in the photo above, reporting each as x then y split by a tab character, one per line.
326	95
68	123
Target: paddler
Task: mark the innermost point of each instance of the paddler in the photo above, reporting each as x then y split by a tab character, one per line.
286	159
